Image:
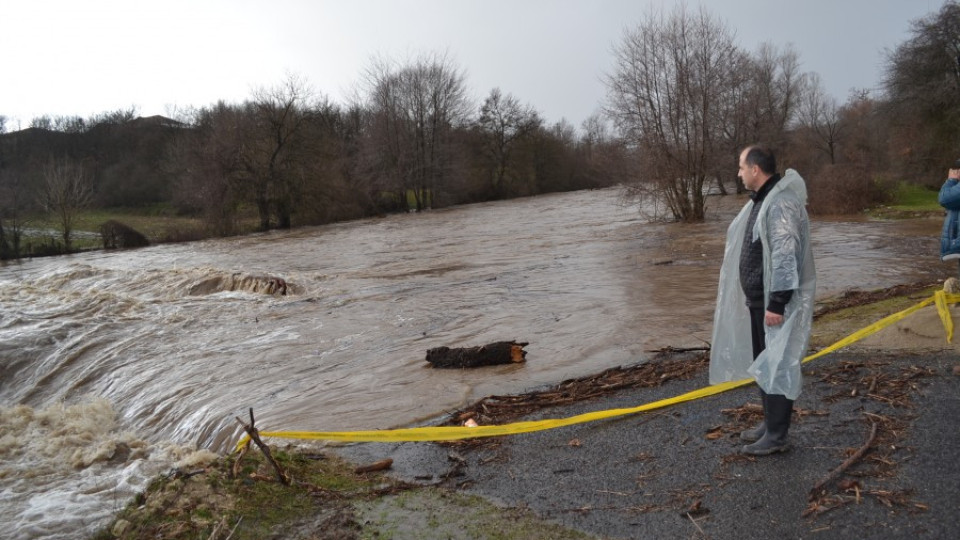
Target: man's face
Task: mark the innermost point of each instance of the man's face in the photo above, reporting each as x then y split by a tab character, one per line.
750	174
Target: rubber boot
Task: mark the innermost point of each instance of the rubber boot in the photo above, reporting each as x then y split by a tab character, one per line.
777	417
755	433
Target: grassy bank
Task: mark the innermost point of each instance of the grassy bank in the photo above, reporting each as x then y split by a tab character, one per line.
42	234
838	317
327	498
908	200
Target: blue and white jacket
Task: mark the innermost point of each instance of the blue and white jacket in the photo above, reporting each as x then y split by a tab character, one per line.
950	238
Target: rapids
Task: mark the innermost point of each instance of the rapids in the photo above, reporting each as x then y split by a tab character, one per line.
115	365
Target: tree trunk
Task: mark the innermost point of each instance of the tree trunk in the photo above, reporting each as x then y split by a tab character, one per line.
501	352
720	186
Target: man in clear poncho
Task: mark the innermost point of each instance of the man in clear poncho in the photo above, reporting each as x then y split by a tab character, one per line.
766	291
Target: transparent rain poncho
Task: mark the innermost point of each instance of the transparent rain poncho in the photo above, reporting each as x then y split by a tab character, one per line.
784	230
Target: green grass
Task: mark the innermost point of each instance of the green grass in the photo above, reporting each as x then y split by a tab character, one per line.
326	495
159	223
912	197
192	507
835	326
152	222
907	201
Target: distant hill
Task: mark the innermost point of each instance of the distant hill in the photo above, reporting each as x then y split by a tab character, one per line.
126	159
158	120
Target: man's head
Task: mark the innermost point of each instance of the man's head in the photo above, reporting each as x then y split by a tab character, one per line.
757	165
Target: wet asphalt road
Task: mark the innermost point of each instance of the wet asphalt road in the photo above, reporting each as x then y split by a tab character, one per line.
658	475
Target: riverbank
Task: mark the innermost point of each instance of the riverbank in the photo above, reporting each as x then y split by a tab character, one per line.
671	473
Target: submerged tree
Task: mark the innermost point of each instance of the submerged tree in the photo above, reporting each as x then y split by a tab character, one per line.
280	147
13	206
671	79
415	108
67	189
206	162
504	123
266	152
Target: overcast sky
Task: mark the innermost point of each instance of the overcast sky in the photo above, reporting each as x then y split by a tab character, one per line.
80	58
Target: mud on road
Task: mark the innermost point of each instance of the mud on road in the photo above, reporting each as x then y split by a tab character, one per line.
678	473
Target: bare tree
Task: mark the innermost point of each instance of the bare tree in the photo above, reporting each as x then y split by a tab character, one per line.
207	162
279	149
274	152
415	108
604	154
9	222
117	117
42	122
504	123
820	115
67	189
776	84
13	209
4	245
671	78
735	116
13	198
865	134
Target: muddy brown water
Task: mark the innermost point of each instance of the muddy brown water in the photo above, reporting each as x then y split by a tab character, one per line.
173	342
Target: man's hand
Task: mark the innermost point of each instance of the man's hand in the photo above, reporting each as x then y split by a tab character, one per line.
772	319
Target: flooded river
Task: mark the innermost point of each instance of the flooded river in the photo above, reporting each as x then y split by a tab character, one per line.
115	365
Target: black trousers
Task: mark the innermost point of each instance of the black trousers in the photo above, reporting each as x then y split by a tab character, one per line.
757	330
777	409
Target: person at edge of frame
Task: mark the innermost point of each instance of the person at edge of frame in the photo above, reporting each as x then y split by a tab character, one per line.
766	291
949	198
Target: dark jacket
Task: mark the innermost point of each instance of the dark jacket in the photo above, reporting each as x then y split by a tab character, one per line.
751	259
950	237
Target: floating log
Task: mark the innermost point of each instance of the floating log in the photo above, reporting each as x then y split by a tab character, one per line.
501	352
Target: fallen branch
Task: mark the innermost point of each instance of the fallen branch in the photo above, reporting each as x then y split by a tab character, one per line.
695	524
216	530
381	465
235	528
236	464
815	508
847	463
255	437
674	350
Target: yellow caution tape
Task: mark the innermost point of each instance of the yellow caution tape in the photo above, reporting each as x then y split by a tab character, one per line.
454	433
941	301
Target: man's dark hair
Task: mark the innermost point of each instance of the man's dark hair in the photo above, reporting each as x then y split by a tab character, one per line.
762	157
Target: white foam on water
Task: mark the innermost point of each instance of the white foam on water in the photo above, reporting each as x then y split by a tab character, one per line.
67	470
